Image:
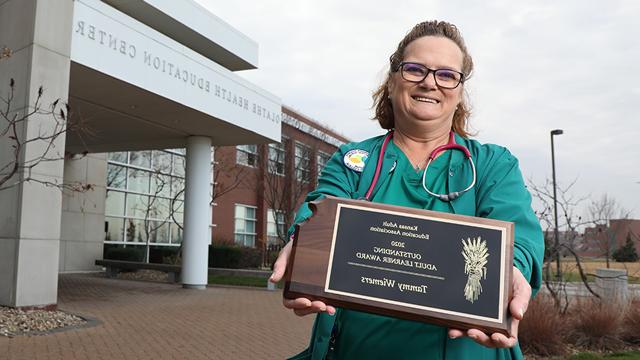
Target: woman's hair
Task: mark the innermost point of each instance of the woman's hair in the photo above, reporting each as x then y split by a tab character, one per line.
381	101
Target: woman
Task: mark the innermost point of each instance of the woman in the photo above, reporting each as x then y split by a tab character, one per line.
422	102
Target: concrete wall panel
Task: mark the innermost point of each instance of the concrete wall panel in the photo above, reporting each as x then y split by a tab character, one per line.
62	253
7	269
54	20
72	228
75	170
40	211
97	169
80	256
37	279
55	85
9	199
94	228
82	224
17	23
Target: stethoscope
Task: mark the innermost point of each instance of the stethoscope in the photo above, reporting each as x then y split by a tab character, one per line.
451	145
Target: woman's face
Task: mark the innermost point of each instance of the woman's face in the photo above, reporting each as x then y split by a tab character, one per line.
425	101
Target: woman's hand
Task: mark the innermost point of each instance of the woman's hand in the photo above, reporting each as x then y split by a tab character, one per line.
300	306
517	306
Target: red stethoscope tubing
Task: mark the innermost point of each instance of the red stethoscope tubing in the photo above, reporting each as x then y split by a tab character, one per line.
451	145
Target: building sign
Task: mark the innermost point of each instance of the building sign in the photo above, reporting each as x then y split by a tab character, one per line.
113	43
318	134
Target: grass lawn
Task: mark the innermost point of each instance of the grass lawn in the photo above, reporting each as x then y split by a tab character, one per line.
238	280
627	355
571	273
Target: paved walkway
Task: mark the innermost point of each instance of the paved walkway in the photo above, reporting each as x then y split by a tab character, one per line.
143	320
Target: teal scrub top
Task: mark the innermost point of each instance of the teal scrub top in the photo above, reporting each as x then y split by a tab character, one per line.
499	193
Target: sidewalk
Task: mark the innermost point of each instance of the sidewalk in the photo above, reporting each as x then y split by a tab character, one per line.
144	320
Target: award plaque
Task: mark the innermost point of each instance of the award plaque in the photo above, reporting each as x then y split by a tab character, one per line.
446	269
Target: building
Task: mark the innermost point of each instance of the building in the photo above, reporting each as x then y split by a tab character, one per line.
569	240
275	178
145	188
139	76
601	239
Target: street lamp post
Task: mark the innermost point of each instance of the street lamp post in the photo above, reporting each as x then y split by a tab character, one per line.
555	203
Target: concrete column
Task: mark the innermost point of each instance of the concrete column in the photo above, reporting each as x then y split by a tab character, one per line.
197	213
82	225
39	33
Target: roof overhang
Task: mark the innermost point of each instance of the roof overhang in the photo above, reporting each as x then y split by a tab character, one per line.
134	88
190	24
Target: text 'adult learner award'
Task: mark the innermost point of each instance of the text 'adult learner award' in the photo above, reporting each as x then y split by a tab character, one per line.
421	265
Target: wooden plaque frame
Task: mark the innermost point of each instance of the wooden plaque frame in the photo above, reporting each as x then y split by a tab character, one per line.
408	266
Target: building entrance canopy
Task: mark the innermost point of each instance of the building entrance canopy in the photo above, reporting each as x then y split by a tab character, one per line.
133	87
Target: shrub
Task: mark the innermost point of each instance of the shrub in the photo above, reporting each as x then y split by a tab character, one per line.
597	325
626	253
158	254
631	330
542	329
129	253
234	257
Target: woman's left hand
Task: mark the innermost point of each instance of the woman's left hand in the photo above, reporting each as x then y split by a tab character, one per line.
517	306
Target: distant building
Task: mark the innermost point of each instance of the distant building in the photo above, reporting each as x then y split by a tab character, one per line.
567	240
596	239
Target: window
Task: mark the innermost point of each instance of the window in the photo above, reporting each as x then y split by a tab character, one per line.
277	158
179	167
136	231
143	203
140	158
247	155
162	161
114	229
137	206
159	232
114	203
120	157
245	225
322	160
275	224
138	181
302	164
116	176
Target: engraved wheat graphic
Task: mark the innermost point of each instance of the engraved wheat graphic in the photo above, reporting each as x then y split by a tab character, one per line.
475	254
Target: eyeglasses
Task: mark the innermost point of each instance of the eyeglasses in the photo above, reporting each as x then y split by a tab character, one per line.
416	73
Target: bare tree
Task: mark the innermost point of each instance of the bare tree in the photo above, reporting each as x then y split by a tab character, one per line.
19	165
601	212
286	180
156	209
570	223
226	178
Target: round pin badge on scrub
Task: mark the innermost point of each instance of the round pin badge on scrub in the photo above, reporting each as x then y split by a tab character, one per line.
356	159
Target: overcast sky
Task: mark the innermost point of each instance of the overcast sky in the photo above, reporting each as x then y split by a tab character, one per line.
570	65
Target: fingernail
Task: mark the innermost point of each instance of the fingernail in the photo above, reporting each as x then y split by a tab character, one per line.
521	312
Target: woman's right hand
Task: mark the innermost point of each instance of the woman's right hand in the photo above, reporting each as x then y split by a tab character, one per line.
300	306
